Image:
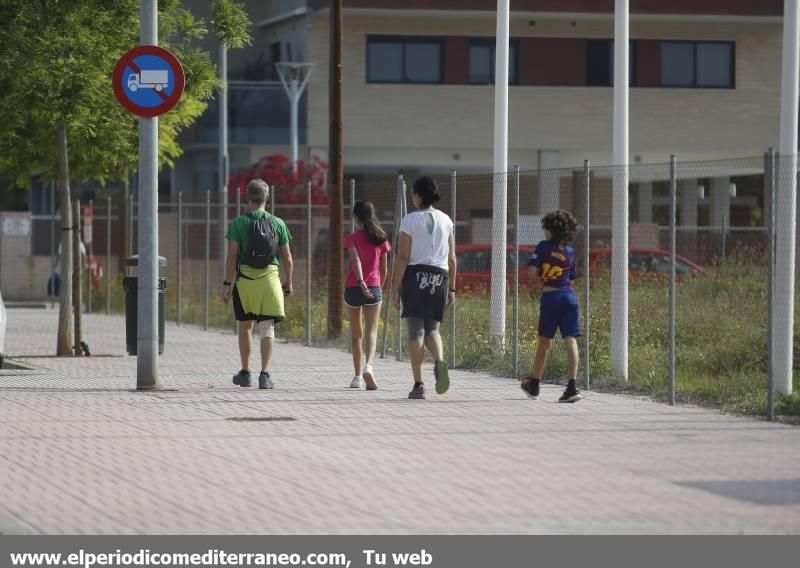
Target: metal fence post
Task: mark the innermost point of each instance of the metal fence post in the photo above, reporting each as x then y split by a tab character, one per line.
453	203
89	256
515	339
352	204
587	243
52	287
393	260
403	213
724	236
207	260
769	179
673	198
309	236
179	279
131	203
237	213
108	255
272	200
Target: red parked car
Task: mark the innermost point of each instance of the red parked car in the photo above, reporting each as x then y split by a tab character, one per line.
475	265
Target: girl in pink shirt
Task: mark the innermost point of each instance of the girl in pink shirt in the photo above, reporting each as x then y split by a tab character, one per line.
367	251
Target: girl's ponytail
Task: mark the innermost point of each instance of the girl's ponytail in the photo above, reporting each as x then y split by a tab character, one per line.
364	211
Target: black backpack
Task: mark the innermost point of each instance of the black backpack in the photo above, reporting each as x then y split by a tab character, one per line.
263	242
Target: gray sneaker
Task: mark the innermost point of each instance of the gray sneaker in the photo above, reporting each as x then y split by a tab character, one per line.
418	392
442	378
242	378
264	382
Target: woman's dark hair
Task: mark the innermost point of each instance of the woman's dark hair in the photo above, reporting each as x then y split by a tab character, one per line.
562	226
427	190
364	211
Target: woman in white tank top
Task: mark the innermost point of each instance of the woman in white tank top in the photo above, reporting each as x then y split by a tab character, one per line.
424	281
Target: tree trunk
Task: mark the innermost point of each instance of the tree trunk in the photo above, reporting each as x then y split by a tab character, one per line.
64	343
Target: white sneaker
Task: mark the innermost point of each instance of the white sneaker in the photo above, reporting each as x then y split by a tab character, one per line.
356	383
369	378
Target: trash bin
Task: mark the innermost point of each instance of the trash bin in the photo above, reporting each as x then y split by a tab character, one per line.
131	286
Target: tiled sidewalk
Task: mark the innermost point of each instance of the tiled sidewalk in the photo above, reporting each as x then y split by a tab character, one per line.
81	453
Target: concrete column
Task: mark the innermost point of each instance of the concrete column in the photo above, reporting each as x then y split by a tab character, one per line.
549	182
689	203
645	213
720	201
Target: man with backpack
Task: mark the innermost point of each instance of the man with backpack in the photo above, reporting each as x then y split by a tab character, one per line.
258	250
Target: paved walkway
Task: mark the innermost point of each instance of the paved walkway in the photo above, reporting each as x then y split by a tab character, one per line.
81	453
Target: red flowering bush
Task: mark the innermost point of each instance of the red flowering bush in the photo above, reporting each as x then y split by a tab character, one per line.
288	183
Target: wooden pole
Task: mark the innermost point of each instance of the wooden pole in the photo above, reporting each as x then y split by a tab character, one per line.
336	203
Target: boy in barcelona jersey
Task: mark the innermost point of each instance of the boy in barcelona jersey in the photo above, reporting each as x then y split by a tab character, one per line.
552	267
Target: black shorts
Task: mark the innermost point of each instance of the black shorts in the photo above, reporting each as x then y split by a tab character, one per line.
355	298
238	311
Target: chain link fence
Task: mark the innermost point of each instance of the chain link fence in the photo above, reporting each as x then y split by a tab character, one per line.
710	349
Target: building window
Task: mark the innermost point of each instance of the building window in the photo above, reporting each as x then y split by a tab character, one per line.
600	63
482	62
404	60
695	64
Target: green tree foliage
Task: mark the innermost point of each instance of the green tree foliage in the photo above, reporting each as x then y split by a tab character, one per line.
231	23
56	59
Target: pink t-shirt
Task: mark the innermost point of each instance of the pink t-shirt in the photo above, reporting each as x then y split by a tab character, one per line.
370	257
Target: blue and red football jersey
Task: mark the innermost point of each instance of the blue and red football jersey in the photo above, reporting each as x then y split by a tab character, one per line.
556	263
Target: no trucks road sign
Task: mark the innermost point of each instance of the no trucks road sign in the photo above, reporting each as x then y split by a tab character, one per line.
148	80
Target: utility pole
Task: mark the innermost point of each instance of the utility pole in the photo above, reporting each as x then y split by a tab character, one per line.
336	201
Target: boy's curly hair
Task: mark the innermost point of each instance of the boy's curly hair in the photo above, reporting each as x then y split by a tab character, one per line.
562	226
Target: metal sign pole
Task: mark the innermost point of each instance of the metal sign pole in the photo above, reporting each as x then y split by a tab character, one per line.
223	151
147	330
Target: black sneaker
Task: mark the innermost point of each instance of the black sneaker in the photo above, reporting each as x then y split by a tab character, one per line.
242	378
418	392
531	387
264	382
570	395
